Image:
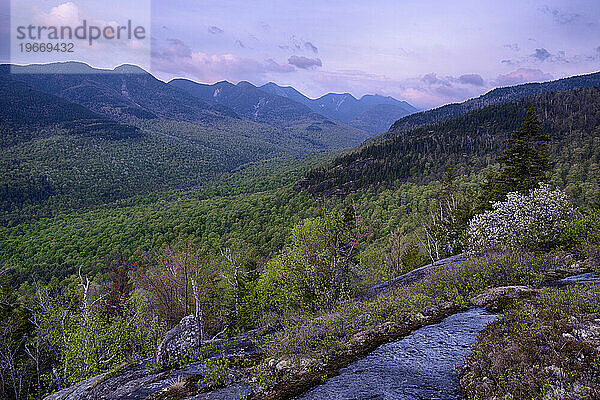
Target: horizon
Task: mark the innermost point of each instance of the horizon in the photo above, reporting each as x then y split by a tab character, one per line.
419	109
427	54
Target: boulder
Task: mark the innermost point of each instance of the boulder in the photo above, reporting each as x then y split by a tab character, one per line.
180	341
496	299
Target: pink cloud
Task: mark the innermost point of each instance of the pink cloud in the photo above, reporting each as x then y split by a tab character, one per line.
522	75
177	58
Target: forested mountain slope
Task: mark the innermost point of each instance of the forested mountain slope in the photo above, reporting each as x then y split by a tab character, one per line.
72	136
496	96
471	142
250	102
125	91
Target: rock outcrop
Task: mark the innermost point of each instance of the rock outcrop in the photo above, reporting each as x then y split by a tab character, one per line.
172	374
496	299
183	339
413	276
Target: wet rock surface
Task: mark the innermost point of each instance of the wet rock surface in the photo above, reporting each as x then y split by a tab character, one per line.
419	366
587	278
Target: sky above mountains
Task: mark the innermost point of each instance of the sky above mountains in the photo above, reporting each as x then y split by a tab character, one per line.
426	52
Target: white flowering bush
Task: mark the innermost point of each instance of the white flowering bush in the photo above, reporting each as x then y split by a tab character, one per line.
522	221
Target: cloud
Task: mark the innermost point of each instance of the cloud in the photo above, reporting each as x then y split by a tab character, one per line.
433	90
432	79
522	75
175	49
561	17
312	47
274	66
512	46
304	62
471	79
66	14
175	57
541	54
215	30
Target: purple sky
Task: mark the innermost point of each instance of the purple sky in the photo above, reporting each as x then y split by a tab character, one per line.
426	52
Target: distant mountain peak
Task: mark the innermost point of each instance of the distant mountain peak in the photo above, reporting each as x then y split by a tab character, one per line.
245	84
129	69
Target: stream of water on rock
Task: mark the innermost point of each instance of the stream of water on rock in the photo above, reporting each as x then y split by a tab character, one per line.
418	366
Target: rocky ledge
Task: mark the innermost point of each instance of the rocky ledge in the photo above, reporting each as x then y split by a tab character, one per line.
184	364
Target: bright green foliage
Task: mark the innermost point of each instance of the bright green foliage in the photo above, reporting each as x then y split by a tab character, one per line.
382	261
583	235
315	270
87	344
447	220
16	330
218	372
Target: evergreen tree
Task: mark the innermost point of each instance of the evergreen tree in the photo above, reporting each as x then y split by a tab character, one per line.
525	163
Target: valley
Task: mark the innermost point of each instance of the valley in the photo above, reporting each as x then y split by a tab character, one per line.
130	204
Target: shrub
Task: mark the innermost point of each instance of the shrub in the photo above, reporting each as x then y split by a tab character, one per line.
316	269
530	221
544	348
583	235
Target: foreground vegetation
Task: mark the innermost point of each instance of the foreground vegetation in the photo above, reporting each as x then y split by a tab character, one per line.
545	348
316	343
95	291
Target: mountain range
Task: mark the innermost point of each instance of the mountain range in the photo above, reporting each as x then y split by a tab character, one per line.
466	136
372	113
283	106
72	135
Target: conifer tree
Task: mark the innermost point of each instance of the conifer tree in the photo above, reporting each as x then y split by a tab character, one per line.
525	163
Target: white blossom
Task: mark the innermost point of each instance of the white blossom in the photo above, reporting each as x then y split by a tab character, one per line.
522	221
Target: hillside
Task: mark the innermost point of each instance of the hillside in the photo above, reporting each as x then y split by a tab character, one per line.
286	275
469	143
496	96
87	138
